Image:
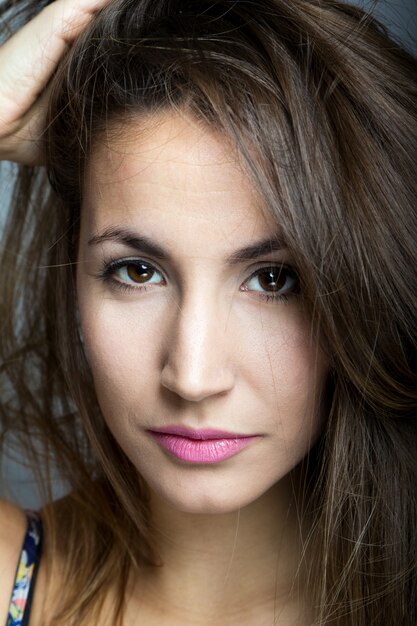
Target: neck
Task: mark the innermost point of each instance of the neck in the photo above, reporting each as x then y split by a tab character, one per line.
217	566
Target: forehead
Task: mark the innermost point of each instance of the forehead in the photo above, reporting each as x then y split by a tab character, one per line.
171	169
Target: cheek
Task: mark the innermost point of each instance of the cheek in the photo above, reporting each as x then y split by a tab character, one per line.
122	352
290	372
283	356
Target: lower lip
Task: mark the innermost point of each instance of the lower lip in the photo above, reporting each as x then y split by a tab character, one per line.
201	450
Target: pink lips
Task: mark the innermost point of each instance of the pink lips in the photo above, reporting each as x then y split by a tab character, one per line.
200	446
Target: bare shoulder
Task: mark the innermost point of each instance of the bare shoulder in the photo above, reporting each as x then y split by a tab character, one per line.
13	526
12	533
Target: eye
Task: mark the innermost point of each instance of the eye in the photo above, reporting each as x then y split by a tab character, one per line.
133	273
274	282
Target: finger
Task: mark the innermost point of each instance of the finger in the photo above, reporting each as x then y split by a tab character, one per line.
29	58
25	145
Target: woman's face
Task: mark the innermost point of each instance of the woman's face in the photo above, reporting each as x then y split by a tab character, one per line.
192	319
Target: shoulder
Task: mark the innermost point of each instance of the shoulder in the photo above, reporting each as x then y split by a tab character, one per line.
13	524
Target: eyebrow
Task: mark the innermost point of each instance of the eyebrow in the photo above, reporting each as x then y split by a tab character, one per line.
147	246
130	239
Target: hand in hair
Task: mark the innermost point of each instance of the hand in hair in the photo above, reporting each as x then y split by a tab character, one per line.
27	62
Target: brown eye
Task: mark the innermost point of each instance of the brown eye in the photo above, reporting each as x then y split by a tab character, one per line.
139	272
132	273
272	280
279	279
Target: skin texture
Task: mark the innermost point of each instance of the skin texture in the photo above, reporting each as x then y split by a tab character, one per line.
193	349
199	347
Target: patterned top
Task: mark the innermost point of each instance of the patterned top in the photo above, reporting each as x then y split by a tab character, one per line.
27	569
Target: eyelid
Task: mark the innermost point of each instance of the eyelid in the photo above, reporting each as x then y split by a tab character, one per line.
265	265
108	274
111	265
273	295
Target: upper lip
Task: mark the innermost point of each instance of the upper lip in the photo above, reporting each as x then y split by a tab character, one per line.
203	433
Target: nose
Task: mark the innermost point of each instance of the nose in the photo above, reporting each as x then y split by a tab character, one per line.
196	362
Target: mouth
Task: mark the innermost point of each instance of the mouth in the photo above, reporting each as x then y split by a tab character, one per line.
206	446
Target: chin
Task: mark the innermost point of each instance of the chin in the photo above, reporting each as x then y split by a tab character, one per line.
206	505
207	497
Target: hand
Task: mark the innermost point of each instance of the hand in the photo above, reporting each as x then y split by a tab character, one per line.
27	62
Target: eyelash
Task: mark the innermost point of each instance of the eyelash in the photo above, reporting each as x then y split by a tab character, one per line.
110	267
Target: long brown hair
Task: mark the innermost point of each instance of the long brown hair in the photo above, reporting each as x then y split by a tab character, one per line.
322	107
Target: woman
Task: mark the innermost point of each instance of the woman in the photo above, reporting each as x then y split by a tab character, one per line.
209	320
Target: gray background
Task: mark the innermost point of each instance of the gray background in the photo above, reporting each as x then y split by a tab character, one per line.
400	16
16	482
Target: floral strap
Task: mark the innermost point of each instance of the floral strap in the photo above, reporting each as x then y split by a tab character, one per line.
26	572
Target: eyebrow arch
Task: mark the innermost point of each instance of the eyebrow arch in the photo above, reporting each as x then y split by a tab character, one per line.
145	245
259	248
132	240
